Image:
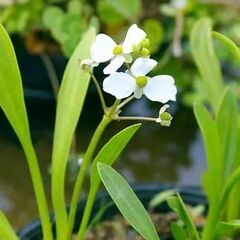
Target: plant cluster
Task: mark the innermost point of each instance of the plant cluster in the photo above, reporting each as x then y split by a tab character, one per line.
128	66
127	85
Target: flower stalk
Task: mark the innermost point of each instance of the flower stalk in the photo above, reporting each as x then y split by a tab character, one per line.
107	118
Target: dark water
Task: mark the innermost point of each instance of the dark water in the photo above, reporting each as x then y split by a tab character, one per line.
156	154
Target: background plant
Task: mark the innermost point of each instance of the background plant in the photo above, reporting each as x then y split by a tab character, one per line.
219	125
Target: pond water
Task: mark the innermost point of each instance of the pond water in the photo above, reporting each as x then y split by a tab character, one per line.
156	154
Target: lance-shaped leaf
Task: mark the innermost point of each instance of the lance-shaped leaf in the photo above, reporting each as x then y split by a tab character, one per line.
227	124
13	105
108	155
111	151
177	205
232	47
207	62
127	202
6	230
227	229
178	231
70	102
213	152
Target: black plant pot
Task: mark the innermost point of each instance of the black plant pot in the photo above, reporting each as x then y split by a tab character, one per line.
191	195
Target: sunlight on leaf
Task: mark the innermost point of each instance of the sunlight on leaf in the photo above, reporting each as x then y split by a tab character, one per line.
70	102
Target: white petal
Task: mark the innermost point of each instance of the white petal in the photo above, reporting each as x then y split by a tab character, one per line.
134	36
119	84
114	65
102	48
142	66
161	89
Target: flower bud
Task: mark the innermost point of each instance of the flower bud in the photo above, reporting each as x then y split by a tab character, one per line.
164	118
87	65
145	43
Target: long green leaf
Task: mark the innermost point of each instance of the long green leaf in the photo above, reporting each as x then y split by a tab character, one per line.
178	232
70	102
227	229
227	123
12	103
6	230
233	48
206	61
177	205
161	197
108	155
213	152
111	151
127	202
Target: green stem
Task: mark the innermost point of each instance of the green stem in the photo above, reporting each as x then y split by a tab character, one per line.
126	101
87	211
86	160
39	190
99	92
136	119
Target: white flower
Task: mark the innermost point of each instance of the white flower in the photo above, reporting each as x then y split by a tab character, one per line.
87	65
105	49
179	4
160	88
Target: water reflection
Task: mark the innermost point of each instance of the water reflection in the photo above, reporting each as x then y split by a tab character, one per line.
156	154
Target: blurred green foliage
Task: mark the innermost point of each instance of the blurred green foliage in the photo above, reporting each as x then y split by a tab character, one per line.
65	21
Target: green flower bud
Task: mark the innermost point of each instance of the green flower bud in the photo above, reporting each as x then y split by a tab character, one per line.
166	116
145	43
136	49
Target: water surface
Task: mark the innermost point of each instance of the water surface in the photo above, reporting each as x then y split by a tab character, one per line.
156	154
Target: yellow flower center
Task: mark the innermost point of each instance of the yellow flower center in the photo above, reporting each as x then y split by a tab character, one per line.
117	50
141	81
